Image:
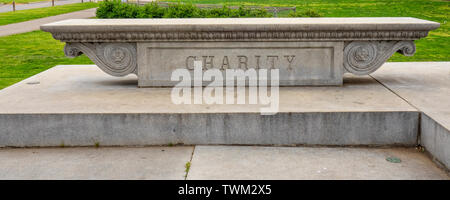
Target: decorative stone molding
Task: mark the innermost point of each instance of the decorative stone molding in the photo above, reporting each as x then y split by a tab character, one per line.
239	36
307	51
116	59
364	57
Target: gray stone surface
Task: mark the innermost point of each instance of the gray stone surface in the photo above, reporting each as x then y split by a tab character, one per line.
238	162
426	86
94	163
321	49
80	105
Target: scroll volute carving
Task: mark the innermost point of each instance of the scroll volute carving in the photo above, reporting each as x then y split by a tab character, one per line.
364	57
116	59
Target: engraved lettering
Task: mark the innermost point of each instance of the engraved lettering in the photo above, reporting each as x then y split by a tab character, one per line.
257	61
272	61
206	62
242	62
290	60
225	62
190	65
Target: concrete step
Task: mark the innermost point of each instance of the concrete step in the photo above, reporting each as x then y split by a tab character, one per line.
426	86
82	106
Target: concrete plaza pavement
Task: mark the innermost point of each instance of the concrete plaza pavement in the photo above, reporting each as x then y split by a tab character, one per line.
94	163
310	163
216	162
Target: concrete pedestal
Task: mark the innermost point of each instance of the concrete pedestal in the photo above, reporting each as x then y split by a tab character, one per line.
82	106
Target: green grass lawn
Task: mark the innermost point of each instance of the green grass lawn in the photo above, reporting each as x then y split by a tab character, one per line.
25	15
435	47
24	55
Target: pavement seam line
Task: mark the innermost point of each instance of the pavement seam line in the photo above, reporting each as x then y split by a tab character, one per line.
395	93
190	163
419	124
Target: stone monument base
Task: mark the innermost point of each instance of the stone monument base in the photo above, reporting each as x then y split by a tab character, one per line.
82	106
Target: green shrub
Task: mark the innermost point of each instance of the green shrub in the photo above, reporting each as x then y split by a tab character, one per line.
182	11
152	10
117	9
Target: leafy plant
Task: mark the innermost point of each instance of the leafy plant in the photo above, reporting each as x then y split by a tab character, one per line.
187	167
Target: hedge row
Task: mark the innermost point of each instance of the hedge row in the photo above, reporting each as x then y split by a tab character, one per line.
117	9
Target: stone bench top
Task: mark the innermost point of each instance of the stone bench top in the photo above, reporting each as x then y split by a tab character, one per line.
242	24
307	51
